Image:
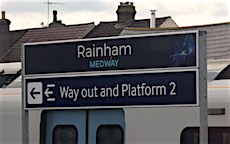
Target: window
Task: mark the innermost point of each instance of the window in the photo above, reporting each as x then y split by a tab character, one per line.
9	72
224	74
217	135
5	80
110	134
65	134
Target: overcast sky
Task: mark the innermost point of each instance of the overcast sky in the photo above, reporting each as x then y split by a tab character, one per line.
31	13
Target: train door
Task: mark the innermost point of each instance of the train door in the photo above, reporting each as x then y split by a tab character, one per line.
83	127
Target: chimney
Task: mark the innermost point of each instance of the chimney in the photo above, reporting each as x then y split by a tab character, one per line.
4	23
153	19
4	34
125	13
56	23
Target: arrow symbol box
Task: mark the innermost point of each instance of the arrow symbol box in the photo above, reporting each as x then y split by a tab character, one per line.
34	93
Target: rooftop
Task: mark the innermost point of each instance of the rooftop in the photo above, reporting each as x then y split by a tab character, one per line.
106	29
218	37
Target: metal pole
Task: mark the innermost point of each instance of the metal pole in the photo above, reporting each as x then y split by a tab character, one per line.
48	5
203	88
25	122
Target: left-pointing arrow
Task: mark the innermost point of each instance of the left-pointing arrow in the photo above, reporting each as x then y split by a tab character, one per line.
33	93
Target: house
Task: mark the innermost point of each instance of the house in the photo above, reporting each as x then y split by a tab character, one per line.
126	18
12	41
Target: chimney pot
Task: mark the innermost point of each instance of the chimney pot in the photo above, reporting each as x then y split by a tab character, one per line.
153	19
3	15
54	16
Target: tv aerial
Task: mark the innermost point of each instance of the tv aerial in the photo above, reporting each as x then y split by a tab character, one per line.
48	8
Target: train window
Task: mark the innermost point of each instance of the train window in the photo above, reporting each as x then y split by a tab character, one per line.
110	134
217	135
5	80
65	134
224	74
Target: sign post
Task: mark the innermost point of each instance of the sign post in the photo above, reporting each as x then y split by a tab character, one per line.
128	71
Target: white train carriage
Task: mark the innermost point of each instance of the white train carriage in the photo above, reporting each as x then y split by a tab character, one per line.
160	125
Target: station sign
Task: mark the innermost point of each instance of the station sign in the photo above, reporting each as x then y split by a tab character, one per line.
143	89
128	71
119	53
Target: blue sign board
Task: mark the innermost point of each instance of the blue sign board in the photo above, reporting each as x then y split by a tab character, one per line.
119	53
146	70
168	88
